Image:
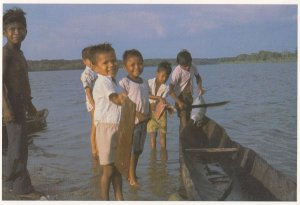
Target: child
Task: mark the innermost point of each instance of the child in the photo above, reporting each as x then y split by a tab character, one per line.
107	117
88	78
137	90
16	100
181	86
159	89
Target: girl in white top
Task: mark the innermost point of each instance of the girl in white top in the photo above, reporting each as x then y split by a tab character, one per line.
107	117
138	91
88	78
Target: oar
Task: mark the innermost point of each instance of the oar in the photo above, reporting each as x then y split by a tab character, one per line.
210	104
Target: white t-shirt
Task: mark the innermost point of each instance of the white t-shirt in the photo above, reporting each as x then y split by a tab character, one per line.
105	110
180	78
137	93
88	78
162	91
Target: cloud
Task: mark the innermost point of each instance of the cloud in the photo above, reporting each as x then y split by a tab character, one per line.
212	17
139	24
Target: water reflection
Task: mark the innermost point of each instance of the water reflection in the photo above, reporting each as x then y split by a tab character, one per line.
157	173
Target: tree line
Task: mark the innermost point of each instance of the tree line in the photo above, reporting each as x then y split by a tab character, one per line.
261	56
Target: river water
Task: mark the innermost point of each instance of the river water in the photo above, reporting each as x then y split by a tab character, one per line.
262	115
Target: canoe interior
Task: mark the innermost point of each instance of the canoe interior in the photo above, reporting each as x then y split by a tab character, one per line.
240	176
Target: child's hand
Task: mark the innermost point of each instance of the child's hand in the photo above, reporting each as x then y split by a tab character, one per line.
181	105
142	117
163	100
122	97
8	116
200	90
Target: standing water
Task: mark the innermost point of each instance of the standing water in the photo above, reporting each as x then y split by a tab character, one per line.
261	115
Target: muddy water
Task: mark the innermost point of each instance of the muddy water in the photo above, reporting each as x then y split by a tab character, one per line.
261	115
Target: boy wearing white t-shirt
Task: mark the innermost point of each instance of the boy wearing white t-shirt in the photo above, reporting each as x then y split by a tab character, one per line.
88	78
160	90
107	116
181	86
137	90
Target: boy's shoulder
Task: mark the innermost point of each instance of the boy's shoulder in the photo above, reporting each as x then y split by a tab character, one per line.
126	81
8	52
88	72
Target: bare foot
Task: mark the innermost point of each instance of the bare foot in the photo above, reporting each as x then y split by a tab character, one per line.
34	195
134	183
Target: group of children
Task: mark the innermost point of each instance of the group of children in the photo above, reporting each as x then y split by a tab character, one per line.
105	96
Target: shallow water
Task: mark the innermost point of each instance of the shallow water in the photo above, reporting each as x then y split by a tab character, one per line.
261	115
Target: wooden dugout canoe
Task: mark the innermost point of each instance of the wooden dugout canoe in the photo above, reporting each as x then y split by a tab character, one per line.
213	167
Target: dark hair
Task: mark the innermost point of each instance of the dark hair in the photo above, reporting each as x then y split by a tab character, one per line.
98	49
132	52
184	57
86	53
14	15
164	66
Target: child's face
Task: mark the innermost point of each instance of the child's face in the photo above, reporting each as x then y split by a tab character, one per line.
106	64
15	33
162	77
186	67
134	66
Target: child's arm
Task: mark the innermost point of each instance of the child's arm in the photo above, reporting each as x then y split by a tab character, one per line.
142	116
117	98
157	98
175	97
89	94
31	108
7	112
6	108
199	84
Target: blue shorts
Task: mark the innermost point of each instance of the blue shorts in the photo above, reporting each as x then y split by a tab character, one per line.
139	136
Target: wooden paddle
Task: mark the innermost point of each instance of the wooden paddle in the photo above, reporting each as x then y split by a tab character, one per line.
210	104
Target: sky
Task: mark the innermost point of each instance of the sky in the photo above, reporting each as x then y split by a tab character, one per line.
61	31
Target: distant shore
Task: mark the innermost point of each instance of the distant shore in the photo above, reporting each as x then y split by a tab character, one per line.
260	57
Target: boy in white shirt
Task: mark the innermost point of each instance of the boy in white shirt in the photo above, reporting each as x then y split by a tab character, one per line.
88	78
181	86
107	116
137	90
160	90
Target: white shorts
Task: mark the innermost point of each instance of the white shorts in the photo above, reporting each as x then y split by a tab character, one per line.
106	140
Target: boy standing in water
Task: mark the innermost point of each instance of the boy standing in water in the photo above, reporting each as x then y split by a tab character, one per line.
16	100
137	90
107	116
160	90
181	86
88	78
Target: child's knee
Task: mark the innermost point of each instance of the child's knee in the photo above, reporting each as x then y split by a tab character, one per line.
108	170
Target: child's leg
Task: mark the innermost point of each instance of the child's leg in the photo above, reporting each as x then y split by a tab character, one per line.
117	185
107	172
132	170
163	142
153	139
93	135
